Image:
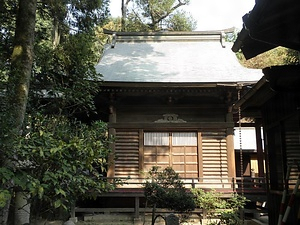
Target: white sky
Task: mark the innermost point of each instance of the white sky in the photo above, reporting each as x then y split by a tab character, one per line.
210	14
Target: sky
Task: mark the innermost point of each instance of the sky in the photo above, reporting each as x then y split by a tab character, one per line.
209	14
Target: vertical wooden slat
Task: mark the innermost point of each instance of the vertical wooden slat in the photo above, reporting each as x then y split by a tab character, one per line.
184	162
260	153
230	152
141	151
136	207
200	155
112	132
170	150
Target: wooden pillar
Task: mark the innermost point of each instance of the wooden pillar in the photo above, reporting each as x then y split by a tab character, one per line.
230	152
141	153
260	153
230	145
200	155
136	207
111	132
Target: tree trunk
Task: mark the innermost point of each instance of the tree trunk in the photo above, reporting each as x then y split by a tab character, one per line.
123	19
55	33
21	64
124	12
4	213
19	78
22	208
153	214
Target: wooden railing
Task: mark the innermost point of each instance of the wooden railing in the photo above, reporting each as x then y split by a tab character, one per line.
133	187
221	184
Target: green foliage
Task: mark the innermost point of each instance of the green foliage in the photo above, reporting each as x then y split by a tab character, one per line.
60	161
164	189
153	15
274	57
79	15
227	210
231	215
134	23
55	20
181	21
8	9
209	200
4	197
6	175
67	74
55	160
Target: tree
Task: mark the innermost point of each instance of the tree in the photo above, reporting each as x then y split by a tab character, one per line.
56	64
66	75
124	11
18	82
274	57
153	15
164	189
21	65
59	162
68	160
181	21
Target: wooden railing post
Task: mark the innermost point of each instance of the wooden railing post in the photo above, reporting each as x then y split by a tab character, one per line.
233	184
137	207
193	183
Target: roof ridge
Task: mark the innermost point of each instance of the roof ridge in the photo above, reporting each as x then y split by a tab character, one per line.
161	36
169	33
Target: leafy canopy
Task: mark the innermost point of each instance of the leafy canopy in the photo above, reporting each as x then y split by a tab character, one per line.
54	157
275	57
153	15
58	161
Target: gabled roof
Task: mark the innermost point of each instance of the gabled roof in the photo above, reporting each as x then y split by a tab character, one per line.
172	57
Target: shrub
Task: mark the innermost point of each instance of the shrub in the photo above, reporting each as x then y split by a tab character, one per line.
214	206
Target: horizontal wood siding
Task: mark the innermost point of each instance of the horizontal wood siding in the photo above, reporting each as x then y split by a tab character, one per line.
292	147
214	154
127	154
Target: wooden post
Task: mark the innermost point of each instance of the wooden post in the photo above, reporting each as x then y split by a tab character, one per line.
111	132
141	153
260	154
200	155
230	145
136	207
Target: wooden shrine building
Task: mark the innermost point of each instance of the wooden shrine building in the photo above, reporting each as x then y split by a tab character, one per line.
167	97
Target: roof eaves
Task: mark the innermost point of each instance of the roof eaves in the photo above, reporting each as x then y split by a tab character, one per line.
215	35
174	84
169	33
250	93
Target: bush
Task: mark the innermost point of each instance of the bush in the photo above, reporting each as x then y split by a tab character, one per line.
214	206
164	189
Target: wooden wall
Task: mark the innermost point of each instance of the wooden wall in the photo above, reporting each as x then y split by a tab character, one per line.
191	110
282	144
208	159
